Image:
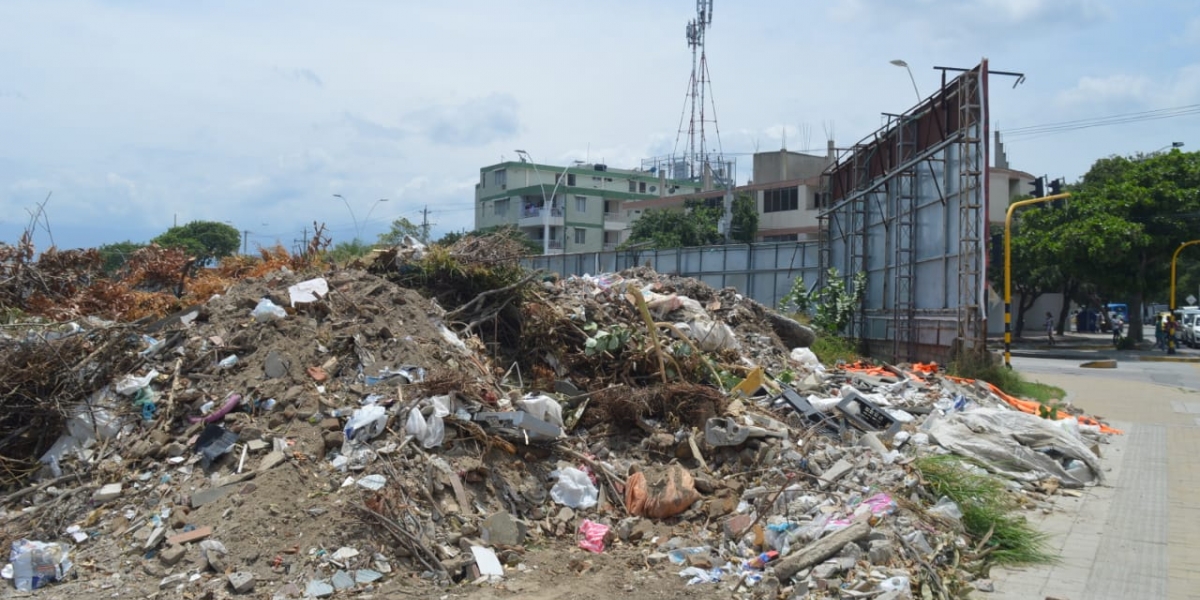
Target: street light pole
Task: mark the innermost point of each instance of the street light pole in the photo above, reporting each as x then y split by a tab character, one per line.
347	203
367	221
1008	268
547	203
1172	146
901	63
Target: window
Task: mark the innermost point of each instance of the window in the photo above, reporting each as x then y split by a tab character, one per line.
632	186
580	235
580	204
570	179
500	178
612	207
779	200
500	207
641	187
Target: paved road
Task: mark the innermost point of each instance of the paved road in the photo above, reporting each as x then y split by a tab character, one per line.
1138	535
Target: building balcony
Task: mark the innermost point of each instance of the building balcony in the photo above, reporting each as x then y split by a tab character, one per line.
536	216
609	247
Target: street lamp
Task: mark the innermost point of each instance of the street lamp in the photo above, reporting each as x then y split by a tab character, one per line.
547	203
901	63
1172	145
347	203
367	221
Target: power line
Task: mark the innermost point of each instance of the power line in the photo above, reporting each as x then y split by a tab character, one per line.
1036	131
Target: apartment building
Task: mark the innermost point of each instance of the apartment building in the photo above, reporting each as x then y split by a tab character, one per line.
587	202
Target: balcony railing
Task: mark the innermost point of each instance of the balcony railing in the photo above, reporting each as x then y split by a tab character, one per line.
556	245
536	211
610	246
614	216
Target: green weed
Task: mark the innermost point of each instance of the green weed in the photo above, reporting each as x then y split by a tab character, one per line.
988	511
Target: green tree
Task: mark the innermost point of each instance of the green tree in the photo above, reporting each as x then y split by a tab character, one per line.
345	251
116	255
204	240
400	228
696	225
745	219
1123	222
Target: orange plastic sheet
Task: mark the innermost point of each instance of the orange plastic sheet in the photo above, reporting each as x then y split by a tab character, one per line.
1032	406
868	369
925	368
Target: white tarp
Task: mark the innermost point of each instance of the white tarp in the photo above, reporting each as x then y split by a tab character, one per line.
1021	446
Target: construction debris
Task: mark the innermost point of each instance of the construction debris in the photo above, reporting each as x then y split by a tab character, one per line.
430	422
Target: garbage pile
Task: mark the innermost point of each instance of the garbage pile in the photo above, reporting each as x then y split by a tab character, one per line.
322	434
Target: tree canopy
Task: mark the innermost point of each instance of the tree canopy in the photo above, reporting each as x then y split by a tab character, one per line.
205	240
400	228
1118	231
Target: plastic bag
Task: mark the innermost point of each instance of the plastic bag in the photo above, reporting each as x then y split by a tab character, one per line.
430	433
366	423
37	563
129	385
710	336
542	407
660	495
593	536
267	310
807	359
946	508
574	489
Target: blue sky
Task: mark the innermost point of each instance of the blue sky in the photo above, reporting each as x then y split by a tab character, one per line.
136	114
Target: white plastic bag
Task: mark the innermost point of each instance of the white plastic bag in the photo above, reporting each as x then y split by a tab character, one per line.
807	359
366	423
267	310
946	508
542	407
129	385
430	433
574	489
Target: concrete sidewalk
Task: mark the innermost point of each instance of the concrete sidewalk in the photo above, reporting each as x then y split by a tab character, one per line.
1138	535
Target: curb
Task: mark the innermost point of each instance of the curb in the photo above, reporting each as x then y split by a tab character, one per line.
1177	359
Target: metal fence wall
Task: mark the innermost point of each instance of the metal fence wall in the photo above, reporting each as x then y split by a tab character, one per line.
764	272
909	210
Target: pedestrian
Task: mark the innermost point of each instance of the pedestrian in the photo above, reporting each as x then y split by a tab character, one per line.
1050	327
1160	339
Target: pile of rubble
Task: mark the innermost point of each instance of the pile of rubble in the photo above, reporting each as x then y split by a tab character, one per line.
314	436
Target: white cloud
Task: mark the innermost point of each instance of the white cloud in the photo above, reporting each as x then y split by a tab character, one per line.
1178	88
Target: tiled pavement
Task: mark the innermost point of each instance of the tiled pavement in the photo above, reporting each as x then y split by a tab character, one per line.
1138	535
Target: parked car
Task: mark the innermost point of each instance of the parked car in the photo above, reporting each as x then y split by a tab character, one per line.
1189	320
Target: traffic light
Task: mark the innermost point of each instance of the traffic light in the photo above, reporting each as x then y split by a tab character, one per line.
1039	190
1056	188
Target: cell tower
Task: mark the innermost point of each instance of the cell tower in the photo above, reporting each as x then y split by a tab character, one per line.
699	95
697	161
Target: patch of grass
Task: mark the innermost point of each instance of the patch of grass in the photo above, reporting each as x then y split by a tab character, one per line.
988	512
830	349
1007	380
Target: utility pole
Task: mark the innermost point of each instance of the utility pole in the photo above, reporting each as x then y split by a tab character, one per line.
425	225
245	238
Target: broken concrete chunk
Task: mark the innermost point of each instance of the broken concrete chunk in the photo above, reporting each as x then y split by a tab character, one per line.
501	529
270	460
106	493
156	537
365	576
172	580
241	581
835	472
171	555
